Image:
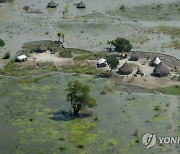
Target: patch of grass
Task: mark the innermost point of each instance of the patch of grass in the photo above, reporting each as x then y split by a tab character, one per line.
108	88
80	68
110	143
172	31
174	90
127	146
77	51
91	56
65	53
148	13
176	44
80	132
18	69
158	118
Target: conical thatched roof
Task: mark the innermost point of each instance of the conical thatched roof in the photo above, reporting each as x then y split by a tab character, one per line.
161	69
155	61
134	57
41	48
125	69
81	5
139	71
52	4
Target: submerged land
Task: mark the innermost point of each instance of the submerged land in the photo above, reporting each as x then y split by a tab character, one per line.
34	112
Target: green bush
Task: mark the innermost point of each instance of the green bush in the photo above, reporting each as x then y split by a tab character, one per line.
2	43
157	108
7	55
26	8
66	53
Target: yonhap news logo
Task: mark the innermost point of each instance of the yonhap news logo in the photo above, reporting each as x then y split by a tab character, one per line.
150	139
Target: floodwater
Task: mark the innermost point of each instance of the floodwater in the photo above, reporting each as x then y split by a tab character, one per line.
92	33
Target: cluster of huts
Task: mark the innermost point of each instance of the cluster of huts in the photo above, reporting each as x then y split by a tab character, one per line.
53	4
40	49
160	68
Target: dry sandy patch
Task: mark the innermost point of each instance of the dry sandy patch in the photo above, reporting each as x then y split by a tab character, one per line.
48	57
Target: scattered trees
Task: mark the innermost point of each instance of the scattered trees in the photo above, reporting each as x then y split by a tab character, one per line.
112	62
1	43
61	34
7	55
79	96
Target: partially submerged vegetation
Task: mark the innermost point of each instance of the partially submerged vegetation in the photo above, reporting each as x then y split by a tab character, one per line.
91	56
160	12
174	90
16	69
81	68
2	43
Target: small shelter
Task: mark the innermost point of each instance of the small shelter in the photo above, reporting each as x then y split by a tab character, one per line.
155	61
139	71
52	4
41	48
21	58
125	69
81	5
161	70
134	57
101	63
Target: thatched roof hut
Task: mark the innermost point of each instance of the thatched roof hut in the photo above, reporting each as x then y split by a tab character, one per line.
139	71
41	48
52	4
81	5
155	61
134	57
125	69
161	70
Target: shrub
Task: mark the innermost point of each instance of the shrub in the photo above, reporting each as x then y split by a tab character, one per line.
61	139
26	8
7	55
103	92
66	53
2	43
157	108
63	148
80	146
122	7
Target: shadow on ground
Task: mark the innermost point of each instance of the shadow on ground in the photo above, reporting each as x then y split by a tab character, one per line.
66	115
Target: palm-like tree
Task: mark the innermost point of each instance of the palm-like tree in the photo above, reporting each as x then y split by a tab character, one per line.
59	35
62	35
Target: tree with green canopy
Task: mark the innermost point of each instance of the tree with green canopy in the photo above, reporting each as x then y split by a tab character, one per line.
112	62
121	45
61	34
79	97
